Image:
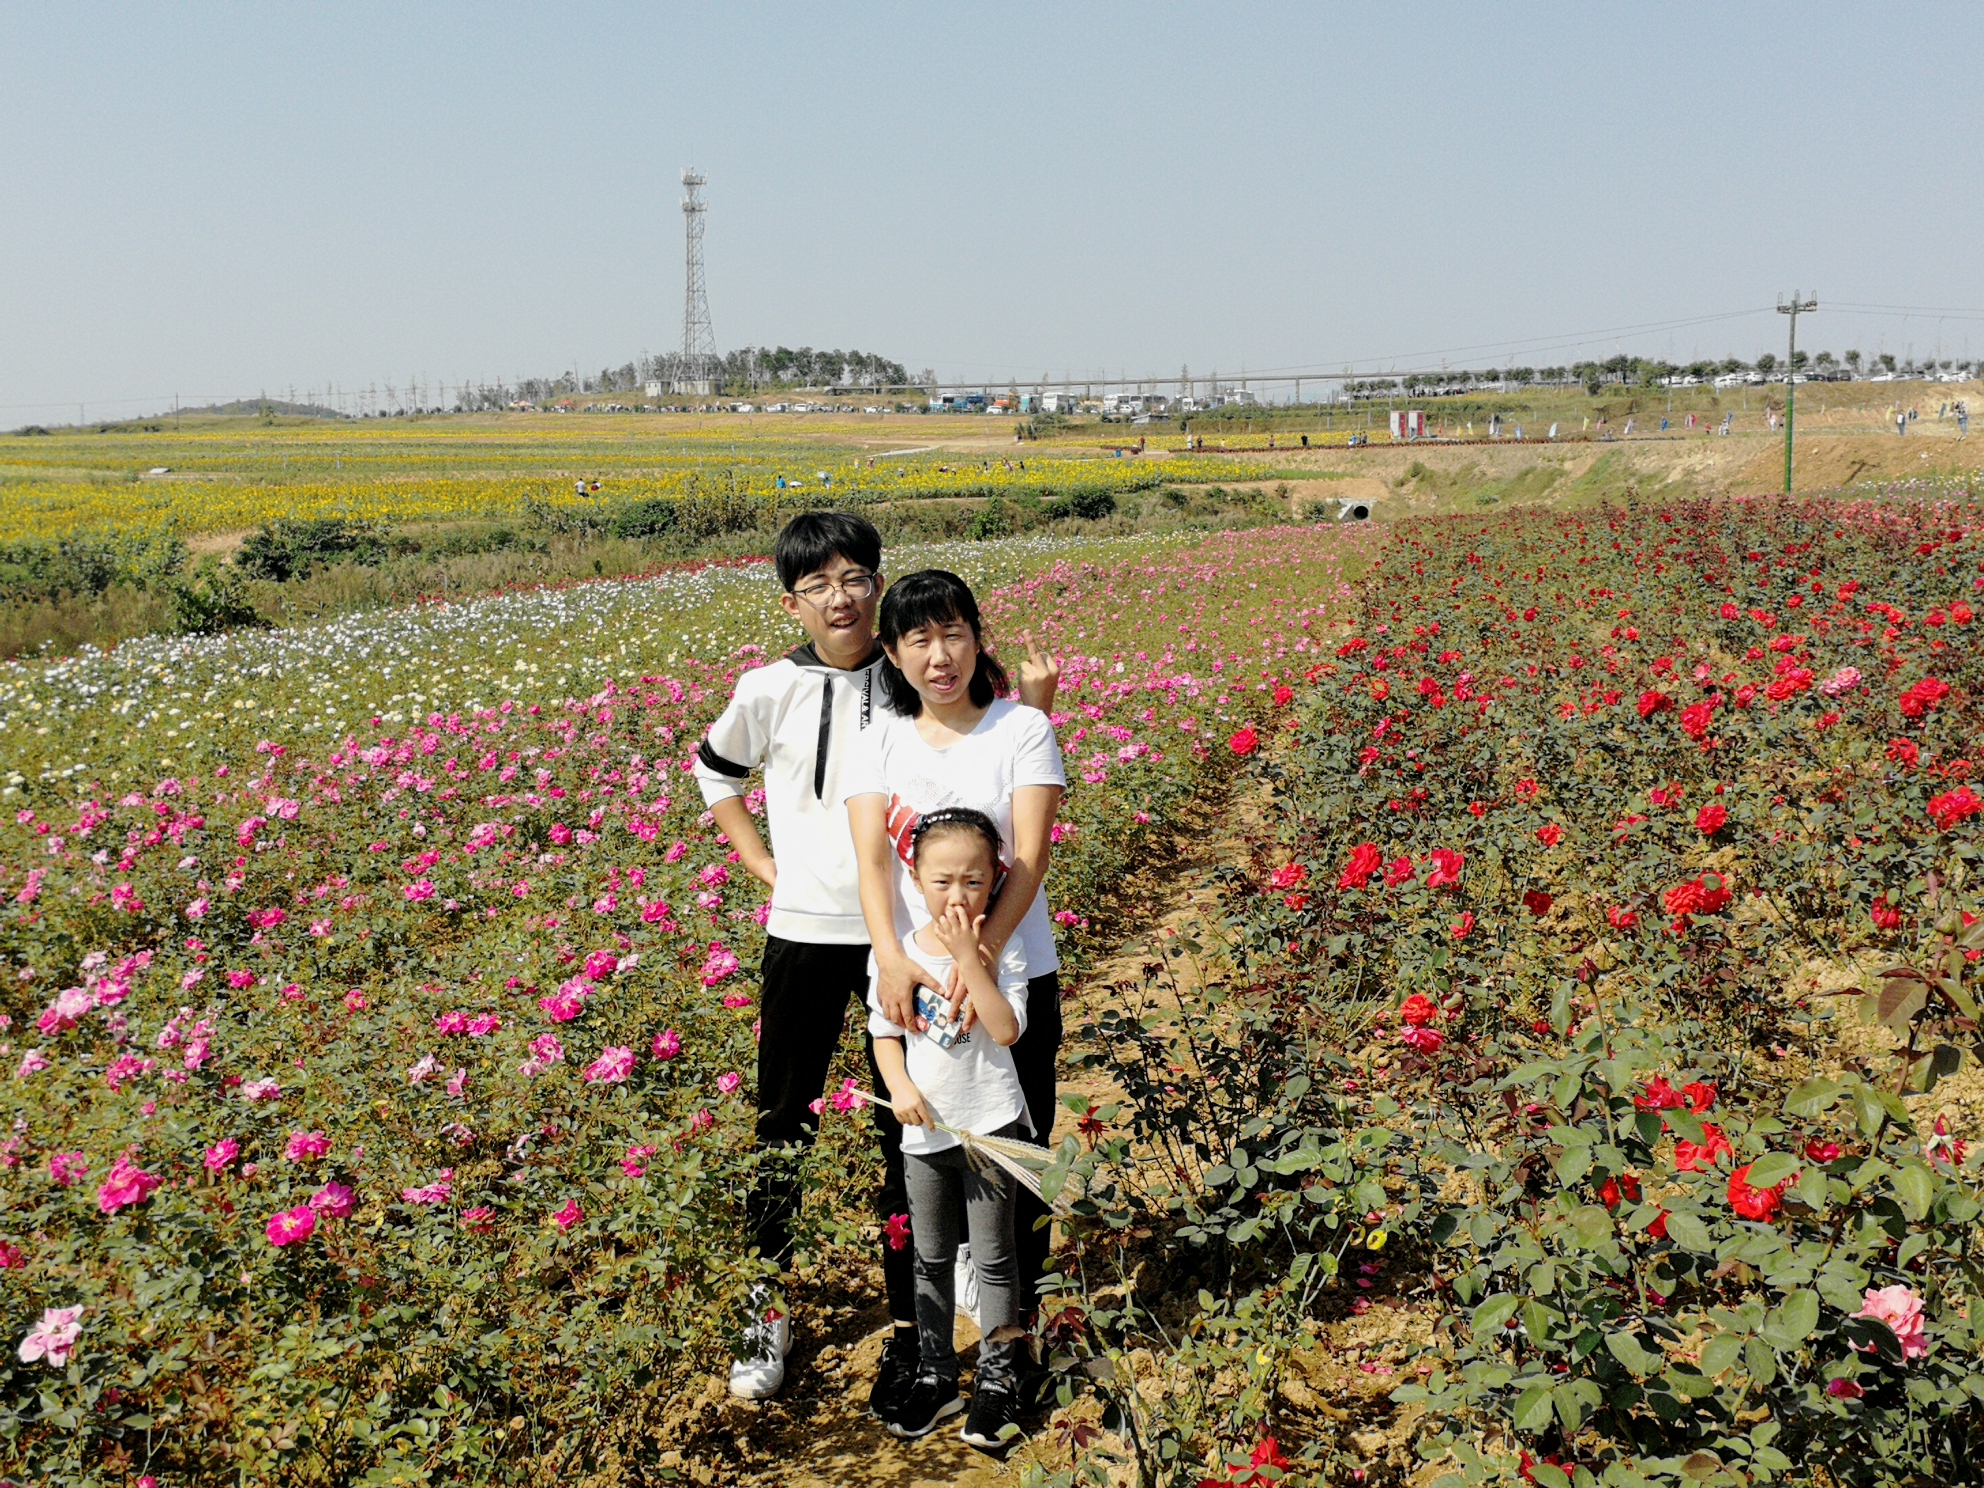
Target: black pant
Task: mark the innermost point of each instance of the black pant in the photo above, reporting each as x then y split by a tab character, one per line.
1035	1058
806	991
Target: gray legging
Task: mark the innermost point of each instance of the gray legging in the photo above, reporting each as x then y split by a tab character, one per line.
939	1184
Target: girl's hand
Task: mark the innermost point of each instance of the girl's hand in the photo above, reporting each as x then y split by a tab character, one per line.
911	1110
961	940
957	932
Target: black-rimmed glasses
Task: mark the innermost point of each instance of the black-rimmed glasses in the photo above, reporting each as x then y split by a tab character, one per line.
856	587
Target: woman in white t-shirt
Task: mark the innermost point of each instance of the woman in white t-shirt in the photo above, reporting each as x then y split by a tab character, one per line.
954	740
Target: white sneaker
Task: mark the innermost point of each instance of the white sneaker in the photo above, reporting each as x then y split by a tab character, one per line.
964	1282
767	1340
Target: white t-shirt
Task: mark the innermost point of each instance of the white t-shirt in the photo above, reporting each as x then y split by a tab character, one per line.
972	1084
1013	746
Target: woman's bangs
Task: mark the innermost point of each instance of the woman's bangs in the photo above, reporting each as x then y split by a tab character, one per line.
930	598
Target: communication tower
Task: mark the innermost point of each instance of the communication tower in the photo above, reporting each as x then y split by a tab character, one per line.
697	373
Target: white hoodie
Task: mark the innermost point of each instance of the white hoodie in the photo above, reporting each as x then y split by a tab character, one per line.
795	722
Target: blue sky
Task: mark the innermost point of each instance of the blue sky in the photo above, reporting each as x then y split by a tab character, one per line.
214	200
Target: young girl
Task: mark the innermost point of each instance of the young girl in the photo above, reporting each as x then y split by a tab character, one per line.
959	1070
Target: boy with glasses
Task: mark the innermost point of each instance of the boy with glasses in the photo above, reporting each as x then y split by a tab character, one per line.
795	722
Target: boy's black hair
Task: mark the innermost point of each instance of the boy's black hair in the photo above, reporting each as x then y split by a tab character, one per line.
933	596
812	540
951	820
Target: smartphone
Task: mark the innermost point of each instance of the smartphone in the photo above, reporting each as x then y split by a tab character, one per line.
935	1010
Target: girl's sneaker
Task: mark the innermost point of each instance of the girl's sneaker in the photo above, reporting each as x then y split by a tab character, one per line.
901	1362
993	1409
929	1401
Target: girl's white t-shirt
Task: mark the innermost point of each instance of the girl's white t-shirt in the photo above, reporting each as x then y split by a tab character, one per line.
973	1084
1013	746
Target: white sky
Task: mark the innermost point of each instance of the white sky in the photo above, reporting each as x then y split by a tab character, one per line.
215	200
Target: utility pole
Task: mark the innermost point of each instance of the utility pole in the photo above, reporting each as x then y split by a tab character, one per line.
1790	375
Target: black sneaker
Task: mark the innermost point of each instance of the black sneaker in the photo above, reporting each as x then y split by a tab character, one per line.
896	1375
929	1401
993	1409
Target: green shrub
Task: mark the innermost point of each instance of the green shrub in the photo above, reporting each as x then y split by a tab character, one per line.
213	601
644	519
288	549
994	519
88	564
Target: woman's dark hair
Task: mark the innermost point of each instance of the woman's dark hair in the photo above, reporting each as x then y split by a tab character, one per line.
812	540
933	596
950	821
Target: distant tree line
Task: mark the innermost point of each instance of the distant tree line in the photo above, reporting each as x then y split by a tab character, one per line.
751	369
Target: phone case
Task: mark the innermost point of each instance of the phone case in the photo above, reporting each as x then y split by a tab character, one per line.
937	1012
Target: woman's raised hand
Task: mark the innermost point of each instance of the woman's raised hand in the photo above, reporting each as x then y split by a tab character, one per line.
1040	676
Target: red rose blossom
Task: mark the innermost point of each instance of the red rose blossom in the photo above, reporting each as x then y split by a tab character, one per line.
1751	1202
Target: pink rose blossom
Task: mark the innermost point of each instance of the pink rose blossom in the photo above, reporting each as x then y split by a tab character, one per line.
334	1201
613	1065
306	1146
601	964
221	1154
68	1168
65	1012
570	1215
126	1185
287	1226
436	1192
1901	1309
719	964
667	1044
54	1337
729	1081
